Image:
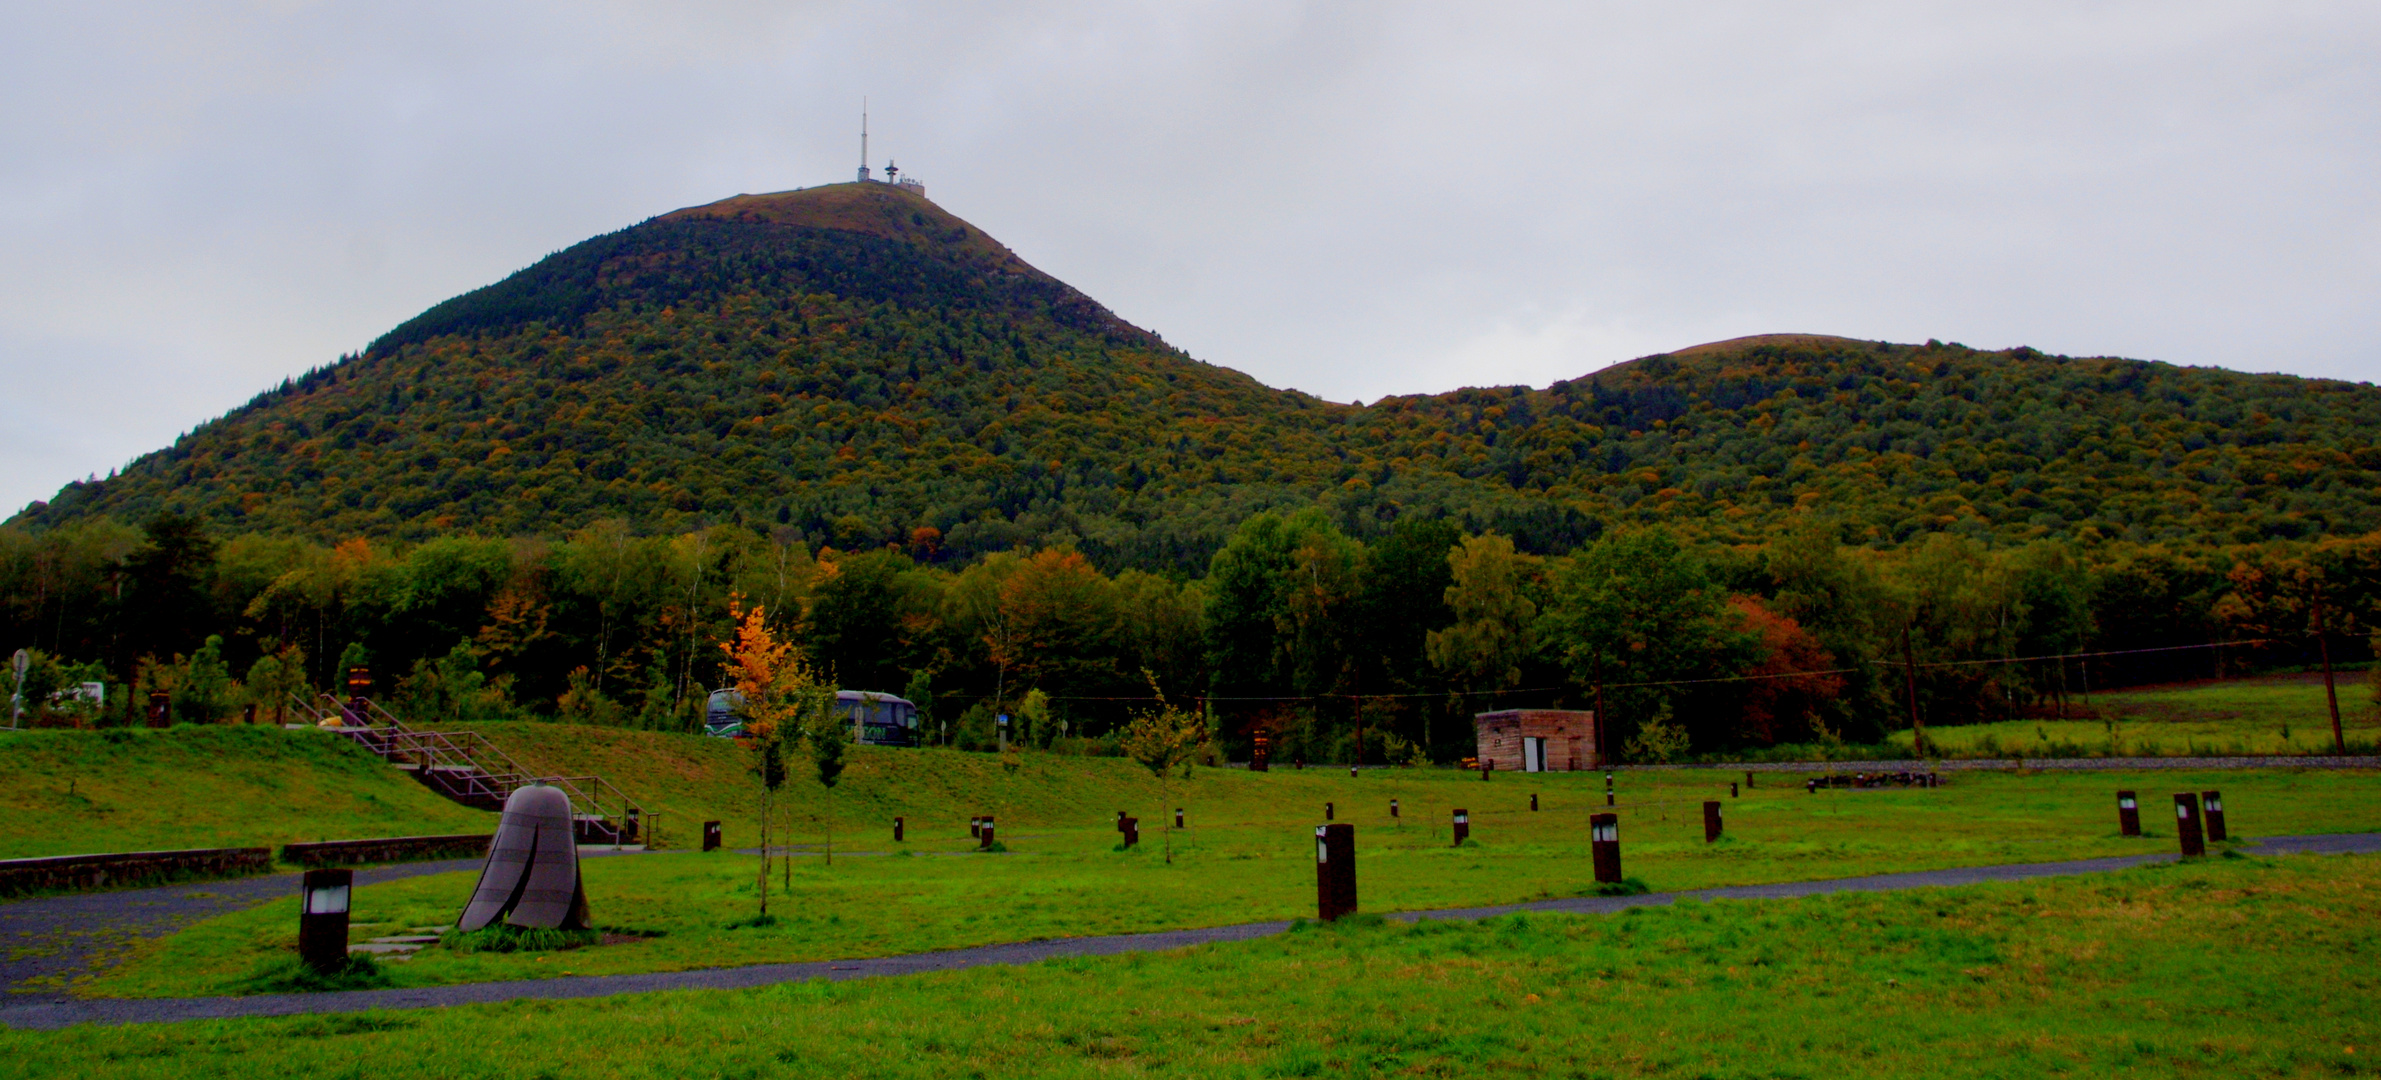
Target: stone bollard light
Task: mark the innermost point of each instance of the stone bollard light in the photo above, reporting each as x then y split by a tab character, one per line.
322	919
1711	822
2186	824
2128	814
710	836
984	837
2211	806
1603	832
1335	871
1463	826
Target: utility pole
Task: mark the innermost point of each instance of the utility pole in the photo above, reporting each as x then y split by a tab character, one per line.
2331	692
1909	667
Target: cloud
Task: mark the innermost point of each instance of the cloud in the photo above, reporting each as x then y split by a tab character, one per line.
198	200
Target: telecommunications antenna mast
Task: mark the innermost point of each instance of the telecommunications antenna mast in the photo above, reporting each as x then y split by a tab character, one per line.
863	138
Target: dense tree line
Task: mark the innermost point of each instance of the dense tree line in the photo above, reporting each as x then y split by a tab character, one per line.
1296	627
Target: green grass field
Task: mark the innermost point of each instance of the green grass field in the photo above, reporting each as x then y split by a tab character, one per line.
2275	714
1247	857
2226	967
131	789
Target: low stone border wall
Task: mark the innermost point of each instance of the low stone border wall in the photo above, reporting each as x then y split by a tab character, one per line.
386	849
83	872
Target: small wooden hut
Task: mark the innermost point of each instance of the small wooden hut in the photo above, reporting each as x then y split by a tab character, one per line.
1538	740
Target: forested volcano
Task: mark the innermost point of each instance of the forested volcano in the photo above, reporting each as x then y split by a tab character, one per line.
852	363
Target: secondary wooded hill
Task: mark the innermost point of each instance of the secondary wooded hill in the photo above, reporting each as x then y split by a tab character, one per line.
855	365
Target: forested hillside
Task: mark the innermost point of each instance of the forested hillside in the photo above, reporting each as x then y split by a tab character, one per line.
947	474
855	364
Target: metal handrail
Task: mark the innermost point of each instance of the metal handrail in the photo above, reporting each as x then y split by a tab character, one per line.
472	762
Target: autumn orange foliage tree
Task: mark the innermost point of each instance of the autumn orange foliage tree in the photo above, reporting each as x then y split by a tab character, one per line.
781	691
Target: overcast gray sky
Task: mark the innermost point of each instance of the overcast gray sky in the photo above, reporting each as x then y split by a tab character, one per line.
1353	199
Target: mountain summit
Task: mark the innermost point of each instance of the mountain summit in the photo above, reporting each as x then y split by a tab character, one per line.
856	365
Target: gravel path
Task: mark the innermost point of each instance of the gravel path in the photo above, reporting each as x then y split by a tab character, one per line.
52	941
63	1012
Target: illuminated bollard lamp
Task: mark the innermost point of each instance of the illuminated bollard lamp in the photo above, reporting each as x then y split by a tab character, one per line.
984	838
2211	806
1327	808
710	836
1603	831
1335	871
1178	817
1132	831
2186	824
1711	822
322	919
1533	802
1463	827
2128	814
1732	787
975	826
1607	788
897	824
1392	808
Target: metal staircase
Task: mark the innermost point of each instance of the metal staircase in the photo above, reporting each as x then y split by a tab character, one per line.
466	767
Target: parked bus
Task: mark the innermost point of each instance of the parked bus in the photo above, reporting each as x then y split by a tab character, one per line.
876	719
879	719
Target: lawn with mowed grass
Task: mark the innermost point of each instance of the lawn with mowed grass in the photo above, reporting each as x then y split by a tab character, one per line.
2273	714
134	789
1247	856
2224	967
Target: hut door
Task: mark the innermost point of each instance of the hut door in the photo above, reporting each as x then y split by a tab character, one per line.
1533	754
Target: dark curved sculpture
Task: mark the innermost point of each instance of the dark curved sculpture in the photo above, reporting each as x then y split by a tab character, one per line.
531	878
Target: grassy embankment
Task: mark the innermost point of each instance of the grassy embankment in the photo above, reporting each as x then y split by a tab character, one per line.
1247	855
2273	714
2225	967
132	789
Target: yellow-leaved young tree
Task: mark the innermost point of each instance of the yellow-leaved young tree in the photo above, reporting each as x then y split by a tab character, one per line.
783	696
1164	740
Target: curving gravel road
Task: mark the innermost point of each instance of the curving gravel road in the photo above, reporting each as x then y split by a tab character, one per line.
63	1012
